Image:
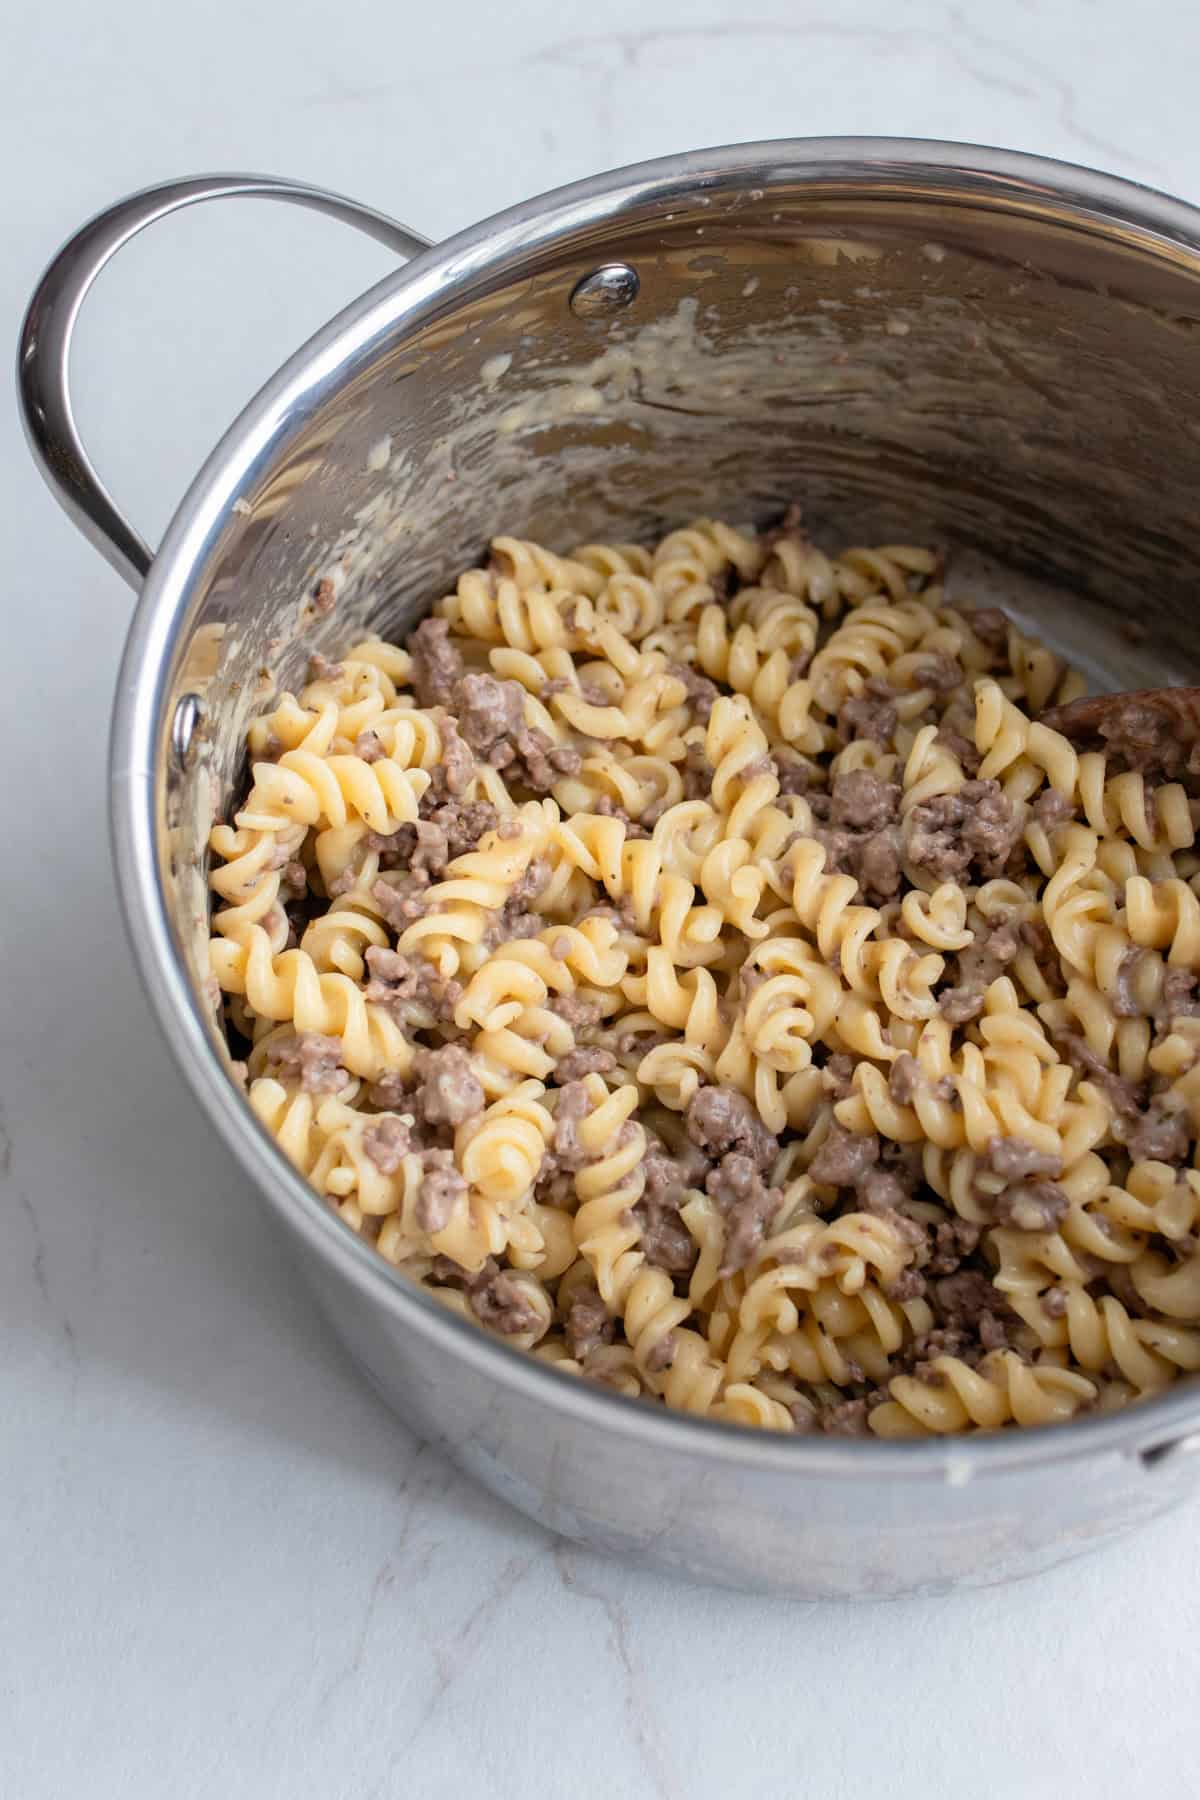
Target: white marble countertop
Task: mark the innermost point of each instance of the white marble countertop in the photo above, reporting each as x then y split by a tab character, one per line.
224	1569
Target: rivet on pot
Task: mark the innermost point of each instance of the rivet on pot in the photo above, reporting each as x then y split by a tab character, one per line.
188	714
605	291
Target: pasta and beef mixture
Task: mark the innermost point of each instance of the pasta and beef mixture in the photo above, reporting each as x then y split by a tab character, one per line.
699	967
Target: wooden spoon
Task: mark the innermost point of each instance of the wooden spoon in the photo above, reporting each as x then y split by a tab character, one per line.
1150	728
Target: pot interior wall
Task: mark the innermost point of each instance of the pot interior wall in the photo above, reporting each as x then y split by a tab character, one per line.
909	368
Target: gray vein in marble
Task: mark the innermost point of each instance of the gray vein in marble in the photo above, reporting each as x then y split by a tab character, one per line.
339	92
641	1720
37	1266
384	1578
450	1659
1068	100
6	1145
588	53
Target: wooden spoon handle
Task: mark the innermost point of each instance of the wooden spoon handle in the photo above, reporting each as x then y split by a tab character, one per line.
1145	712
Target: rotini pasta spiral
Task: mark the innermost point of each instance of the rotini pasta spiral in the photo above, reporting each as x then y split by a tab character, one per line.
1000	1390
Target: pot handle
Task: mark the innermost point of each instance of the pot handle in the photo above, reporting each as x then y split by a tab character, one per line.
43	374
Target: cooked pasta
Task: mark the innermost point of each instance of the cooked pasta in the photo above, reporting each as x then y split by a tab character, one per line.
701	967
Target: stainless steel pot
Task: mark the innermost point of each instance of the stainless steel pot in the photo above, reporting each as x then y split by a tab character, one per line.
920	339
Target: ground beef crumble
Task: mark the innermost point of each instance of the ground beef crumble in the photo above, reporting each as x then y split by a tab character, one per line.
409	987
500	1302
747	1204
402	899
856	823
584	1061
387	1142
976	828
976	967
669	1176
573	1106
450	1092
587	1324
312	1057
720	1120
845	1157
437	664
869	714
442	1187
701	692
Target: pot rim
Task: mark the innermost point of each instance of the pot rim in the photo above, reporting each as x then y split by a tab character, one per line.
1023	184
